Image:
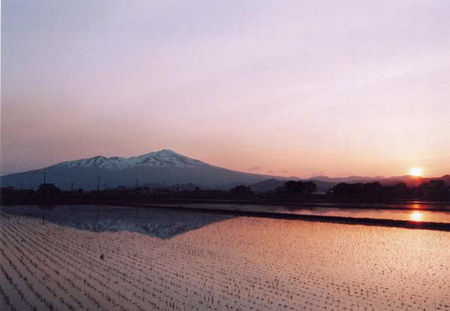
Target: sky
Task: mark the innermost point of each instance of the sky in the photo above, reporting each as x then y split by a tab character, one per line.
287	88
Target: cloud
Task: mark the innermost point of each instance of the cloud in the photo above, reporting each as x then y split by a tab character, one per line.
254	168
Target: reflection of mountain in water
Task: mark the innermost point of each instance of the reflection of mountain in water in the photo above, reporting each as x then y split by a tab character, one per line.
164	224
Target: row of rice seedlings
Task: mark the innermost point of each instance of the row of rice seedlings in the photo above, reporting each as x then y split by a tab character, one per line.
46	275
62	262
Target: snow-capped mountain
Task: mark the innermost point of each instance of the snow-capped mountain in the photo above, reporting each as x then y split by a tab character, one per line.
160	167
161	159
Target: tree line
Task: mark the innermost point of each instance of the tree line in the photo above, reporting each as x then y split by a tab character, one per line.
435	190
430	190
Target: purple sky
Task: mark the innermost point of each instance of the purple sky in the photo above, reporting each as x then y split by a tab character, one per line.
277	87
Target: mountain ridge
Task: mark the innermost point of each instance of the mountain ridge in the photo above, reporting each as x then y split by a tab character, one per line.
161	167
162	158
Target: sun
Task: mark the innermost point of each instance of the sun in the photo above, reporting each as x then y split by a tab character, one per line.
416	171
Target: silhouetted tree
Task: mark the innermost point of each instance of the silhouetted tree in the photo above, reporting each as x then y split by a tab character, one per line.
241	191
400	190
433	189
297	187
344	189
48	189
373	189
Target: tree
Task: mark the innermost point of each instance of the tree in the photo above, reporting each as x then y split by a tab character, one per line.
242	191
342	189
433	189
48	189
298	187
373	189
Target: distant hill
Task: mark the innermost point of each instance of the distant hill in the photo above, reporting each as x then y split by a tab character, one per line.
409	180
349	179
161	167
267	185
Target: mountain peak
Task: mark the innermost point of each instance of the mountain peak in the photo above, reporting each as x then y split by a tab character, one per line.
170	151
162	152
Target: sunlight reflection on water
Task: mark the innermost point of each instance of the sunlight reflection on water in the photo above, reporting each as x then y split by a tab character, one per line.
416	216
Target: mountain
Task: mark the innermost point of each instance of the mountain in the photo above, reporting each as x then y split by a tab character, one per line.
160	159
349	179
164	166
268	185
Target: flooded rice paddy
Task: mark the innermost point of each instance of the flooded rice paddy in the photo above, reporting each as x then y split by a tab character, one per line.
416	213
87	258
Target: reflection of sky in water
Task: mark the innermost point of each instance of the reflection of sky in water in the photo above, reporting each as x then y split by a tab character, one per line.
429	216
393	214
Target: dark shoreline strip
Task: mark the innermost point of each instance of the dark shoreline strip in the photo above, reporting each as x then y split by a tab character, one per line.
439	226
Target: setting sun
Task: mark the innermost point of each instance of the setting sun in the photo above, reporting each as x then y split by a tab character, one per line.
416	171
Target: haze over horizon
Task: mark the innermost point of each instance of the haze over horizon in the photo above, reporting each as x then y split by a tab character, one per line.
165	152
290	88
